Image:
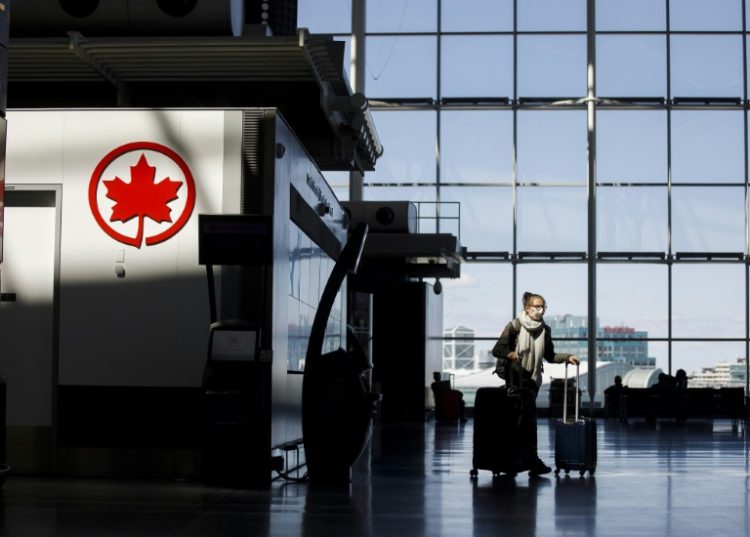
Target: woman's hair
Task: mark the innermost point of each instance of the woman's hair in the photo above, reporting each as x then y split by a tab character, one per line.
528	297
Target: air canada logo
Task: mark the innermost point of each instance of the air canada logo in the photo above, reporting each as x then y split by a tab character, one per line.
141	192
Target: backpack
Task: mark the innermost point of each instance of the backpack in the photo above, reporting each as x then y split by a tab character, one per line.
502	365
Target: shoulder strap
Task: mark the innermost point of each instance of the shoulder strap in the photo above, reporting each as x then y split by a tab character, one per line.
516	324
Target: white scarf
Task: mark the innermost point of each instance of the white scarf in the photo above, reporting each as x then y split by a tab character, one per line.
530	346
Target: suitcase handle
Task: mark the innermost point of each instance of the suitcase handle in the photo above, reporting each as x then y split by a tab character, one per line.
565	393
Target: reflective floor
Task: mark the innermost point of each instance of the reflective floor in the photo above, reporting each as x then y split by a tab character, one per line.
691	479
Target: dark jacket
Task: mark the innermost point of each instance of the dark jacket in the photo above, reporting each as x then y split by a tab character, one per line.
507	343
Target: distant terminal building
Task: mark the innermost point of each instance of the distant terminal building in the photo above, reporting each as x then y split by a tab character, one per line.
621	344
616	343
628	345
458	348
570	333
721	375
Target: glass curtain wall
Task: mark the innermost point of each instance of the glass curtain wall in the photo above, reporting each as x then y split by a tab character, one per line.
483	102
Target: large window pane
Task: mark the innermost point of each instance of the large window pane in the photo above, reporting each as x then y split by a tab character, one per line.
481	299
339	183
700	358
639	15
552	146
631	66
632	219
631	146
563	285
705	15
552	219
481	302
408	140
660	351
401	66
476	15
486	216
708	300
547	15
546	151
477	66
476	146
341	191
402	16
448	213
633	296
706	66
708	146
551	66
708	219
325	16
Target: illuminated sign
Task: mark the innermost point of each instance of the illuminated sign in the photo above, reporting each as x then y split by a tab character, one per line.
141	192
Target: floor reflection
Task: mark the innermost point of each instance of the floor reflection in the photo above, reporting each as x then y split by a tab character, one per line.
507	502
575	504
675	479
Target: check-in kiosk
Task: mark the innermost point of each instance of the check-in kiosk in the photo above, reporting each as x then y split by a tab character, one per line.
236	381
236	410
275	245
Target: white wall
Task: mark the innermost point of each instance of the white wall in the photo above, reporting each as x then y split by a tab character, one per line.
148	328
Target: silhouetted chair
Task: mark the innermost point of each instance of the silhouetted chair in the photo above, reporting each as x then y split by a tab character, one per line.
449	403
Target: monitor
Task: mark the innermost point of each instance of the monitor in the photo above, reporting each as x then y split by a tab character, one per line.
234	344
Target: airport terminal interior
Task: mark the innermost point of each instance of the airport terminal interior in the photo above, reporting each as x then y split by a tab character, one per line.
255	257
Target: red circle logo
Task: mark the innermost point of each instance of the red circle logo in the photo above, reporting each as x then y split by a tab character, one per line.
139	185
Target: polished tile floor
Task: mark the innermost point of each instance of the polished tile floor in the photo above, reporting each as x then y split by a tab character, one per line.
680	480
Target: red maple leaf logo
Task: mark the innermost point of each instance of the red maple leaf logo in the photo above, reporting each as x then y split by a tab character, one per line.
142	197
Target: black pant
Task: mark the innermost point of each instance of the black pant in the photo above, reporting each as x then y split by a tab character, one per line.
527	391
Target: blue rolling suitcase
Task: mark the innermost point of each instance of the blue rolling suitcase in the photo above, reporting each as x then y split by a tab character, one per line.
575	440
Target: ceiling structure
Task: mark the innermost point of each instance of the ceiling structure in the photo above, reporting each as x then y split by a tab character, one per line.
302	75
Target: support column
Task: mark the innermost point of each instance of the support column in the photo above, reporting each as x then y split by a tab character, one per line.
357	76
591	180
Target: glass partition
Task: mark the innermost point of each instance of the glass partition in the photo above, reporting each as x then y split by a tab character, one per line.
487	108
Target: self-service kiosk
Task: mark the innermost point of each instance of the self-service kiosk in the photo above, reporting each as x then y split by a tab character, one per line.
237	383
235	386
236	379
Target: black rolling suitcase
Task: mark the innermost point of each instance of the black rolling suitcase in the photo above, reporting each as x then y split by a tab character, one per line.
497	445
575	441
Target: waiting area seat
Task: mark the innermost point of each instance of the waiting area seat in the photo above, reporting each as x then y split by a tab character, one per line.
679	404
449	403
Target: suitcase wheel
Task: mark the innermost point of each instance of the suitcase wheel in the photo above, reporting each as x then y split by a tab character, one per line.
473	472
